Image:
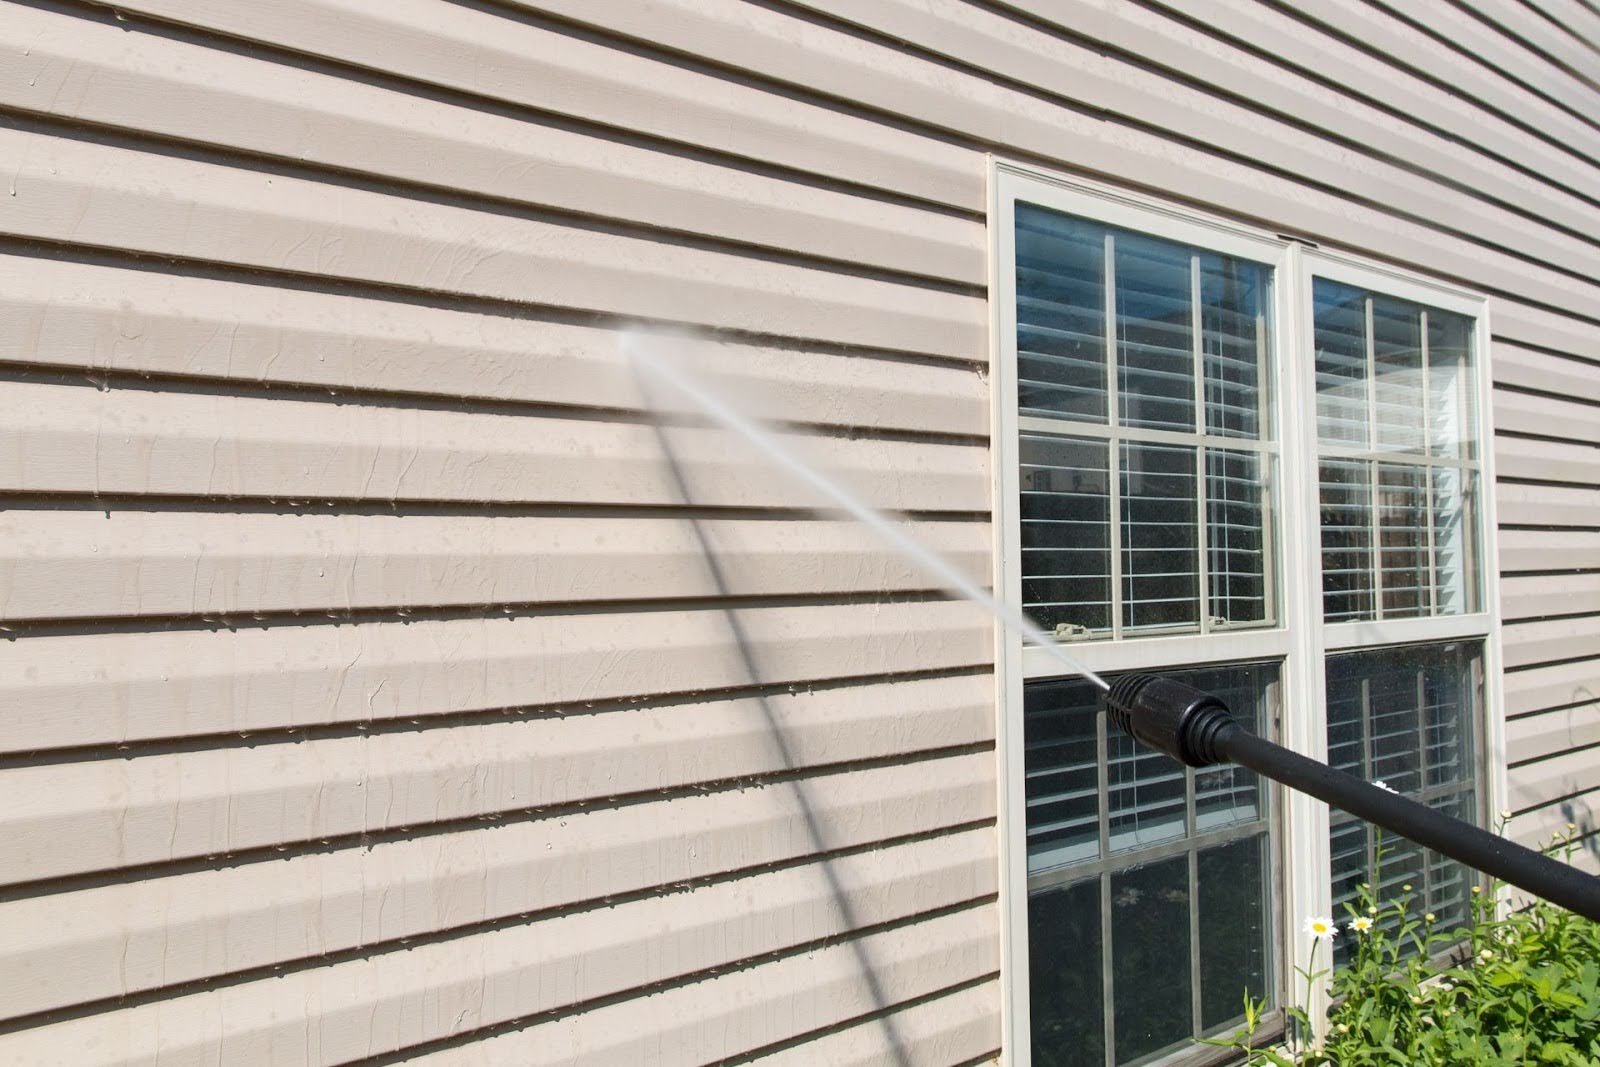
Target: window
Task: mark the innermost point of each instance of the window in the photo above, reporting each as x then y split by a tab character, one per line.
1232	459
1148	883
1141	366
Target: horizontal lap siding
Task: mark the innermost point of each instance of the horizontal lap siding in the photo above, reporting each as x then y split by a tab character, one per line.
382	661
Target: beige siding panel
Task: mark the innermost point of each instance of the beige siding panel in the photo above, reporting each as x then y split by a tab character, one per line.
98	72
166	206
87	564
115	940
1542	827
80	440
758	39
1400	43
1531	597
743	1011
60	314
468	51
1541	327
1548	505
1537	737
1513	43
407	996
1582	64
1530	691
1549	550
1526	368
1547	461
956	1028
169	806
923	92
1555	639
1548	780
1095	80
1548	416
1265	82
115	688
1358	73
1581	21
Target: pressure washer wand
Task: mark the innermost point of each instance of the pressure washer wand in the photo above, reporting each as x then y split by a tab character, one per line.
1197	729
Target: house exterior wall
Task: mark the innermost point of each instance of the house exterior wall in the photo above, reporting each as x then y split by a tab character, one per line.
380	683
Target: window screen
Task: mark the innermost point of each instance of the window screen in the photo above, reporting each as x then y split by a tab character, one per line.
1145	453
1398	469
1406	717
1149	891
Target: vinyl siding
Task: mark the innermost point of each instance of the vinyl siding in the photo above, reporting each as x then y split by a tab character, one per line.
381	685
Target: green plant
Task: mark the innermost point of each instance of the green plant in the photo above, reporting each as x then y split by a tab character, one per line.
1519	989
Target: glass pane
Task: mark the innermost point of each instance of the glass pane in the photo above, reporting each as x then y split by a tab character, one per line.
1447	717
1340	339
1394	724
1160	554
1066	532
1411	711
1227	795
1150	976
1346	540
1233	928
1397	375
1347	723
1148	794
1066	995
1234	296
1236	541
1450	883
1450	396
1454	572
1403	540
1061	765
1348	847
1061	330
1155	333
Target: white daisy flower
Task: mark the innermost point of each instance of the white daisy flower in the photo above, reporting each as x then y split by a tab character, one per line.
1360	924
1321	929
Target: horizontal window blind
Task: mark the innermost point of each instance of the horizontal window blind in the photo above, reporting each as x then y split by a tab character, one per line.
1146	507
1398	474
1149	882
1404	716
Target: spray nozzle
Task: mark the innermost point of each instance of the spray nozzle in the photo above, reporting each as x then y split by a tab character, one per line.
1184	722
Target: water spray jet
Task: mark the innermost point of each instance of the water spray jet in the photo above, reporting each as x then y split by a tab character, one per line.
1189	725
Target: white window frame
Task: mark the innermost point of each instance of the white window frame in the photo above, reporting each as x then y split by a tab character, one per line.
1297	638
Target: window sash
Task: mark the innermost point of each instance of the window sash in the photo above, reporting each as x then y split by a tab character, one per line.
1300	637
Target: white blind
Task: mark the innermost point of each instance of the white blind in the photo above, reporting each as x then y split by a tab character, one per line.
1403	716
1182	332
1398	484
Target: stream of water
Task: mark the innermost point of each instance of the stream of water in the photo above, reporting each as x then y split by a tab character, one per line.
655	367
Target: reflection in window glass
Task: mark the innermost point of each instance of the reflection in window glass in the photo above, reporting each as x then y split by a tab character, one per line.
1066	532
1066	1002
1347	524
1404	716
1236	536
1061	328
1184	335
1160	572
1394	410
1155	334
1231	318
1340	338
1403	534
1150	929
1127	849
